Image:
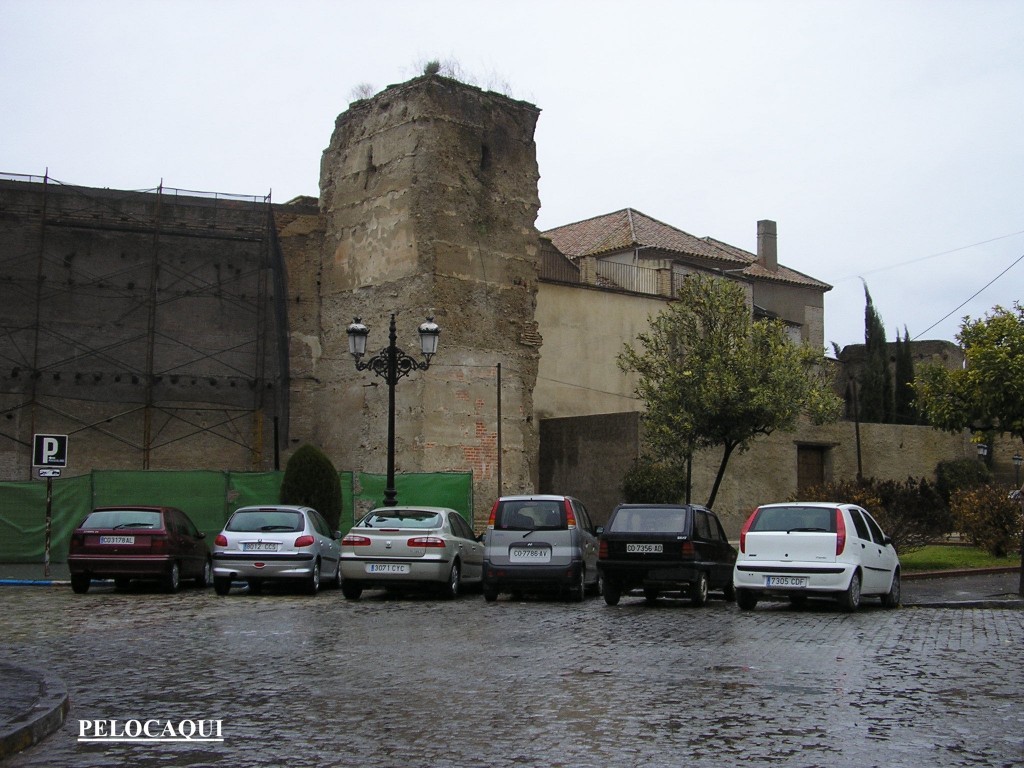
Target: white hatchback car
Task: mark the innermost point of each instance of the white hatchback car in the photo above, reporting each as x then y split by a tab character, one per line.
815	549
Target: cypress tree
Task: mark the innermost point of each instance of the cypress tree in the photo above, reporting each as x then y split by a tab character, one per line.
876	388
905	409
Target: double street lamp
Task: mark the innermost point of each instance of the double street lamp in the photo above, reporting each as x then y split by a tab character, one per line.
391	364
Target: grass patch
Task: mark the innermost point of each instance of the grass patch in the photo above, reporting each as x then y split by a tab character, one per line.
940	557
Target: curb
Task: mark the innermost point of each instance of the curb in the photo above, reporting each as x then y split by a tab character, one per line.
46	713
961	572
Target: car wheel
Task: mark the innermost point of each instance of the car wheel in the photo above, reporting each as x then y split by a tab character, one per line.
597	588
80	583
746	599
203	580
612	593
351	589
578	587
699	590
312	585
891	599
850	599
221	584
172	580
451	589
729	591
490	592
651	595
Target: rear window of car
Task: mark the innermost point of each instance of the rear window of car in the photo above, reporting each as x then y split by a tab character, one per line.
530	515
406	519
252	521
648	520
123	519
822	519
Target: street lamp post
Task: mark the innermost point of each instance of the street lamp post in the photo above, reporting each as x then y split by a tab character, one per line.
1017	459
391	364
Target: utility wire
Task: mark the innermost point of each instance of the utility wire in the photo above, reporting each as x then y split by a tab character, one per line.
966	301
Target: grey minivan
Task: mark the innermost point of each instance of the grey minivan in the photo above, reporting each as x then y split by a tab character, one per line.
540	543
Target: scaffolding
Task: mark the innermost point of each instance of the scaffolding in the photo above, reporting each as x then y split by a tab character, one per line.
148	323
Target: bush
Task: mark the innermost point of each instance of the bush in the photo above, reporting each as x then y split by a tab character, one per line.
653	482
988	518
959	474
310	480
910	512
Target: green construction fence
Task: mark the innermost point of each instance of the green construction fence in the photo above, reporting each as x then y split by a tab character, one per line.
208	497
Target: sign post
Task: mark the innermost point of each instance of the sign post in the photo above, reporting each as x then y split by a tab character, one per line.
49	454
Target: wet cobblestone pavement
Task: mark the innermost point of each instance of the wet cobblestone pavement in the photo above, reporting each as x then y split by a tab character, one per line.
412	681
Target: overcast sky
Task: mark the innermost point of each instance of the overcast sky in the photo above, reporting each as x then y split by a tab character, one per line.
885	138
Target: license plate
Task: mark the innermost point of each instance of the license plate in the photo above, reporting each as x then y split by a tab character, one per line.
117	539
785	581
644	549
387	568
260	546
529	555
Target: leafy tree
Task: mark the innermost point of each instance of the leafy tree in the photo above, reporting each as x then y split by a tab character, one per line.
987	394
876	389
710	376
654	482
310	480
904	406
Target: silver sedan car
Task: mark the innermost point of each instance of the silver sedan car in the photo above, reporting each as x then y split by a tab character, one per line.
276	542
405	547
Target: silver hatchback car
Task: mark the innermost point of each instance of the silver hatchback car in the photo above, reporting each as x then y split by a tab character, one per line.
276	542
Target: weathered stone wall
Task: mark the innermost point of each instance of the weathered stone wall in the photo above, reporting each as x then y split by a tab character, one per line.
428	202
588	456
143	324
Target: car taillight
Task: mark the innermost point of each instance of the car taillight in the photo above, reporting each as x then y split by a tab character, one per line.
687	550
602	550
158	544
221	540
304	541
570	516
745	528
493	515
355	540
840	533
426	541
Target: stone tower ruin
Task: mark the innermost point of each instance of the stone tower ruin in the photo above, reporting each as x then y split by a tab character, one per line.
428	198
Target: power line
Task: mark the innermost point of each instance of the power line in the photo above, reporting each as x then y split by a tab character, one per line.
975	294
932	256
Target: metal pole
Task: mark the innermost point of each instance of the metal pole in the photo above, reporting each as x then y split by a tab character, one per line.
390	493
46	535
499	430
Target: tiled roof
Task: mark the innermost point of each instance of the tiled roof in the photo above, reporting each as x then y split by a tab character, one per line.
630	229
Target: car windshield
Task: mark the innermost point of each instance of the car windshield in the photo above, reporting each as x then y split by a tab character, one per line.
267	520
401	519
821	519
123	518
531	515
649	520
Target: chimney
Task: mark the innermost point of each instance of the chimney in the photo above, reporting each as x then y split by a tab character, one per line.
767	245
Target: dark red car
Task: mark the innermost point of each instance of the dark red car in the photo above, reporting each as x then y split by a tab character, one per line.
125	543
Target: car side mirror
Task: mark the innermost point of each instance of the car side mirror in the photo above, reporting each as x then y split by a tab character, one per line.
599	530
337	534
202	535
